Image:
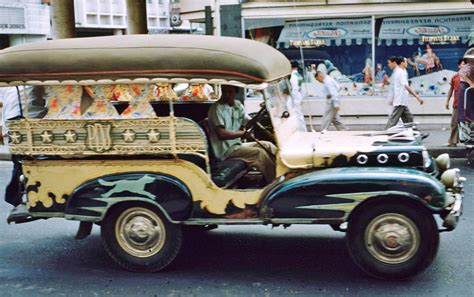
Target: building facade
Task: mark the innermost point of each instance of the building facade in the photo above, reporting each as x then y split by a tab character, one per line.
352	40
30	20
23	21
106	17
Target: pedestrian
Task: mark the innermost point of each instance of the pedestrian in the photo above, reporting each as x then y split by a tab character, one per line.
381	76
296	81
392	64
454	89
11	110
466	103
399	97
333	104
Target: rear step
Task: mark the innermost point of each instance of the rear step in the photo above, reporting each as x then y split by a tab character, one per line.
19	217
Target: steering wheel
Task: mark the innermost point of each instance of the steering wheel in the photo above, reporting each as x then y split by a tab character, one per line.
254	123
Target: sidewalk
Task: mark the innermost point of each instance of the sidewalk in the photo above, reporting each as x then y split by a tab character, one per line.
435	143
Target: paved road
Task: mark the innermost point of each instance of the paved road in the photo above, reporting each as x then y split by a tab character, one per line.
42	258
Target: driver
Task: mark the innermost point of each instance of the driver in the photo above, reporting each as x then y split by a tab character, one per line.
226	120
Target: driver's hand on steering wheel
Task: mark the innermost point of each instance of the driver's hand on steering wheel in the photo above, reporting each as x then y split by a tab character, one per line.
247	135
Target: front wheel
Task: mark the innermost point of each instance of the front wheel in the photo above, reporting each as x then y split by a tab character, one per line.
392	241
139	238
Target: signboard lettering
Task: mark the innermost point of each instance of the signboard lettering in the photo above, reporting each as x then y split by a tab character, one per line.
327	33
98	137
12	18
428	30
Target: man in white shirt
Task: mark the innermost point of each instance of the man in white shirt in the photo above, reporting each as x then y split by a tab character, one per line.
333	104
9	104
399	96
11	109
296	80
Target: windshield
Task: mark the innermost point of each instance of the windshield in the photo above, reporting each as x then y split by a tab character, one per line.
279	105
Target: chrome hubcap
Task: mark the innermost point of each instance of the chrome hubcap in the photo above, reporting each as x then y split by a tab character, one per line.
140	232
392	238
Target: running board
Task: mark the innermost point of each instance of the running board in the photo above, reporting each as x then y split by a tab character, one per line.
224	222
329	221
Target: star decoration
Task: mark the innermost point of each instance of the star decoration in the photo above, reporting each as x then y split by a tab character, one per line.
70	136
153	135
47	136
128	135
15	137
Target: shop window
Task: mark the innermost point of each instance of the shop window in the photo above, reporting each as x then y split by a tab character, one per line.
432	45
340	48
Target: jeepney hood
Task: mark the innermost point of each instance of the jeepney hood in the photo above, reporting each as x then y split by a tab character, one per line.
356	148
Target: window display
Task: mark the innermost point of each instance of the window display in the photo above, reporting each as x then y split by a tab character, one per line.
342	48
432	45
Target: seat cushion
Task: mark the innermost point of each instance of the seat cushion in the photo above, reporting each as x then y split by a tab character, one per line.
225	173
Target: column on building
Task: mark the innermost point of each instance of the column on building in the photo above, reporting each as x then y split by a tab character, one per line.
136	17
63	19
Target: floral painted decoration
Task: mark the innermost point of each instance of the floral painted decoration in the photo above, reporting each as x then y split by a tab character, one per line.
139	106
195	93
101	108
63	102
165	92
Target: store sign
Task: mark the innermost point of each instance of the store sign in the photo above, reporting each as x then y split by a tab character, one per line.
308	42
419	27
12	19
327	33
440	39
428	30
158	31
329	29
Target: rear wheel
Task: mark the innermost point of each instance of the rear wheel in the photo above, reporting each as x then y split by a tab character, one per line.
392	241
139	238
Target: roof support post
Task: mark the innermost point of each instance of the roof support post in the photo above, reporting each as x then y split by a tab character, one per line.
136	17
63	20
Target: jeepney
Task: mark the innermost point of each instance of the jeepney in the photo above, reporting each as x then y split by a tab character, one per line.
120	148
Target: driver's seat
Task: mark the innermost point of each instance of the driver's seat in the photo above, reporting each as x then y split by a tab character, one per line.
225	173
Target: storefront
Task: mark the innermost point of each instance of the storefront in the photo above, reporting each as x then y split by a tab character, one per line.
354	50
23	21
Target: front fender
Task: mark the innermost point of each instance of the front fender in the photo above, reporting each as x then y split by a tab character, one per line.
333	193
91	200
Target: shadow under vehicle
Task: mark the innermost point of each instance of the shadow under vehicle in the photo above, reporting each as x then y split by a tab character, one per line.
143	172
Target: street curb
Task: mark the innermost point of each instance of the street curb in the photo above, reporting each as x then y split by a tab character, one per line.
454	153
5	157
4	153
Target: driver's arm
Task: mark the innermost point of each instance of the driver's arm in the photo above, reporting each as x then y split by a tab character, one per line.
224	134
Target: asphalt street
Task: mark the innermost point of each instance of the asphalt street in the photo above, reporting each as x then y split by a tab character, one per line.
42	258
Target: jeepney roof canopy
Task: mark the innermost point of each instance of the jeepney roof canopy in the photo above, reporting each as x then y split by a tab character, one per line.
142	59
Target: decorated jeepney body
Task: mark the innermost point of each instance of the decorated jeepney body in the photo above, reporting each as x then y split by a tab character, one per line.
119	147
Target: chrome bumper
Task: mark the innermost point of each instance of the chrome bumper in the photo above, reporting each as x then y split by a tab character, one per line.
454	199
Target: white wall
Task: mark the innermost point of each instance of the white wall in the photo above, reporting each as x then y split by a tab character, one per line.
36	17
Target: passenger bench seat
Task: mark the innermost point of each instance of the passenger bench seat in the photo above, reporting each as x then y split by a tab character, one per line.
223	173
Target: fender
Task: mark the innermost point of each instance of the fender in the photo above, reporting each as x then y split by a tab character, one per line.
331	194
91	200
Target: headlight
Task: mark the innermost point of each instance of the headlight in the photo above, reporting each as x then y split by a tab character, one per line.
426	159
443	161
450	178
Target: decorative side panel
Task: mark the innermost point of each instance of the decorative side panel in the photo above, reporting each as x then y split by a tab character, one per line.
105	137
